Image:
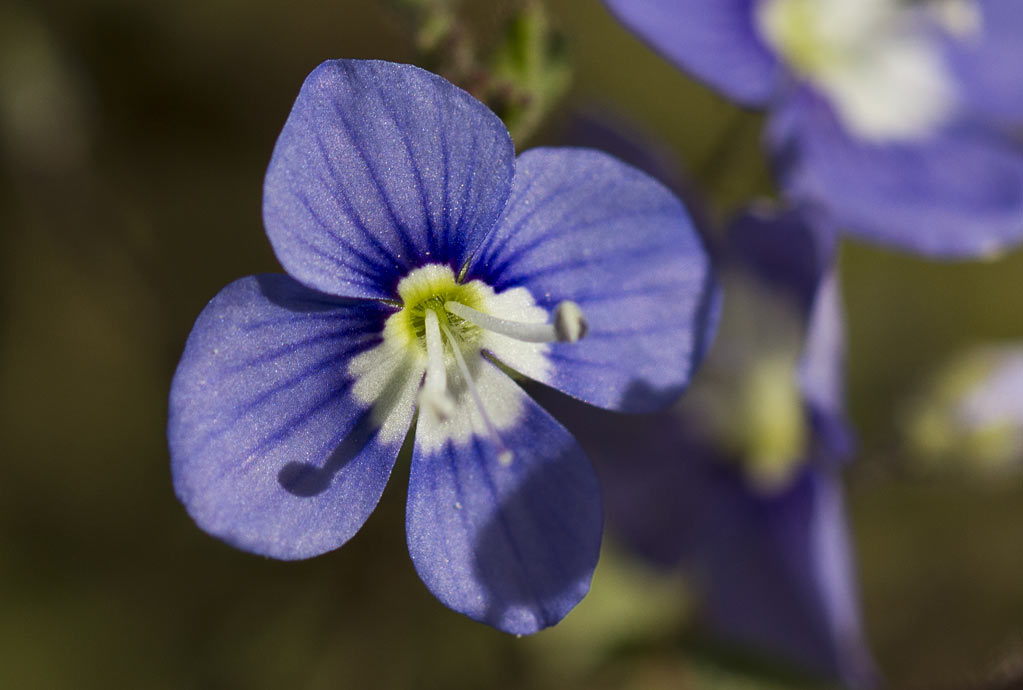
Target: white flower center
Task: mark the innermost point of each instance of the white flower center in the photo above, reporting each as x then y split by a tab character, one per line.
878	62
440	335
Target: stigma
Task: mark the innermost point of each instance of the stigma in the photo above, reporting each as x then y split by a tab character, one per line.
448	325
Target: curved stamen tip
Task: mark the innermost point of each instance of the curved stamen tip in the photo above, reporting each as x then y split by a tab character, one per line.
569	323
505	457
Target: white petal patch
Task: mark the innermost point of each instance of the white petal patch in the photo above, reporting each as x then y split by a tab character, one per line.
898	90
502	398
389	376
529	359
878	62
388	379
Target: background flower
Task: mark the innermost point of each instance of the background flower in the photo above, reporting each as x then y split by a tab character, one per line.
881	115
740	480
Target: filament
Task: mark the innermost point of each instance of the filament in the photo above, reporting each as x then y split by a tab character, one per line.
568	326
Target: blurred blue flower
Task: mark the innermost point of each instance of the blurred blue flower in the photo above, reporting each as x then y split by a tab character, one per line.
894	118
740	480
424	260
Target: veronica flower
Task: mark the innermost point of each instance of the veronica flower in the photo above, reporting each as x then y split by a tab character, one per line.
889	116
739	481
425	262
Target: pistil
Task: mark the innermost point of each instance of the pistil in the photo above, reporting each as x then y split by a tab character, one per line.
504	455
434	394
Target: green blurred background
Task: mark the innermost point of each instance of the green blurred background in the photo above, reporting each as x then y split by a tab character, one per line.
134	141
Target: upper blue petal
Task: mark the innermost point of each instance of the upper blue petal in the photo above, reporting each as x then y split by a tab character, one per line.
270	451
381	168
582	226
714	40
785	249
957	194
511	545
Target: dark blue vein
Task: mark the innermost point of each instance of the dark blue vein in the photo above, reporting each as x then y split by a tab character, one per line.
630	292
360	341
373	311
293	423
348	208
509	233
586	261
413	164
541	238
336	260
399	228
250	405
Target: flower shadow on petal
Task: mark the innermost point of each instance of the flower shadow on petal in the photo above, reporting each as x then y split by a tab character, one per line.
306	479
534	558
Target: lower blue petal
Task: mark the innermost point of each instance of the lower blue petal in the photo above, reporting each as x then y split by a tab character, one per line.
715	40
582	226
782	575
958	194
515	545
270	449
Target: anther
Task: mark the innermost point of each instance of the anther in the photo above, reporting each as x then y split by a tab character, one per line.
569	324
504	455
434	394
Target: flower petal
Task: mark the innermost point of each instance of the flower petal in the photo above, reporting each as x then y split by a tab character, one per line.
714	40
782	574
271	448
982	62
585	227
380	167
512	545
822	371
784	249
959	194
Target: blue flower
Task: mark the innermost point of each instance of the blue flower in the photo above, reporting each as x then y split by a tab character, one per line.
424	262
890	117
740	480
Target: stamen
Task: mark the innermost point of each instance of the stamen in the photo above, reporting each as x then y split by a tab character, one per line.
569	324
434	394
504	455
